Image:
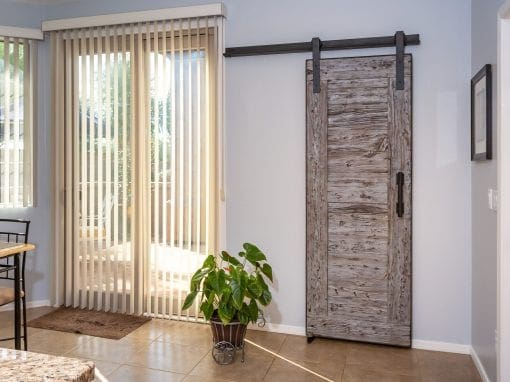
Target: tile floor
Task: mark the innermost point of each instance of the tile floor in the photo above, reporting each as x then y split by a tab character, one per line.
178	351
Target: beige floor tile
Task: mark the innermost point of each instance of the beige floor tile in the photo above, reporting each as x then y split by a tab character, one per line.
152	329
104	349
440	366
168	356
254	367
186	333
272	341
106	368
205	378
320	351
380	358
285	372
140	374
355	374
54	342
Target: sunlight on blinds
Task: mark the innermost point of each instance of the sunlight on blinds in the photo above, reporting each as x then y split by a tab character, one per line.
140	162
16	119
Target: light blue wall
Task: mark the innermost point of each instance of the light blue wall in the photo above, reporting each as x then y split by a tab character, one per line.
483	177
265	117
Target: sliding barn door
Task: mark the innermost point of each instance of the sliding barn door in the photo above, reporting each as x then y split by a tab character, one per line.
359	201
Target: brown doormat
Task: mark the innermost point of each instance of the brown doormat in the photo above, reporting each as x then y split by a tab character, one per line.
89	322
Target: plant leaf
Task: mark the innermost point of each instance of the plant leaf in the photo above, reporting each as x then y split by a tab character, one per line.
265	297
226	312
229	259
244	314
208	309
253	254
197	277
237	294
209	262
254	287
189	300
267	271
254	310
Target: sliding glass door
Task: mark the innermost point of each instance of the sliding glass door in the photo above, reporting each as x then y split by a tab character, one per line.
139	128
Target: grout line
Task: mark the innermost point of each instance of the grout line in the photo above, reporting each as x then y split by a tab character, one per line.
269	368
289	361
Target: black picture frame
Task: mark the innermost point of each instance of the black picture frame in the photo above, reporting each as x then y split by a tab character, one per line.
481	125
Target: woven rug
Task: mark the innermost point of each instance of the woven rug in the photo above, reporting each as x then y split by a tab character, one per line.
89	322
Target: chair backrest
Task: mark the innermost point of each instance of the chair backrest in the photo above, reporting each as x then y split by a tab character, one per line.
14	231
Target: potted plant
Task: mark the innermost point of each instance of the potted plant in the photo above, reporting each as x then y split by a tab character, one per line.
231	291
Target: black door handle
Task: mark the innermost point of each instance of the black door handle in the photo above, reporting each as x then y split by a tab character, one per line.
400	194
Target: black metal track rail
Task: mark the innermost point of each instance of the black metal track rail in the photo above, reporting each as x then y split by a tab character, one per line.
398	40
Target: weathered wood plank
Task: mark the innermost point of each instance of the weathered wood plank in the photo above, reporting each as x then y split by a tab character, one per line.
359	117
361	163
346	327
359	67
400	227
316	200
362	191
340	243
370	225
347	269
342	140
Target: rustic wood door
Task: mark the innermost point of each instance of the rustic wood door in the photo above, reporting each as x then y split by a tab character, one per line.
359	201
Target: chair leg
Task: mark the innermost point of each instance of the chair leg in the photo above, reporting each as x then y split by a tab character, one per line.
25	334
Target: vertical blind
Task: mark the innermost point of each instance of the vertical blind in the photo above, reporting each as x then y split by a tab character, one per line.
136	161
17	72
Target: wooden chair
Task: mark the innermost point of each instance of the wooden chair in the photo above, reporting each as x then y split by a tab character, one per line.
14	231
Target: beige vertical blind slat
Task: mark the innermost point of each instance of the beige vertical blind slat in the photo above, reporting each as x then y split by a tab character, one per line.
181	277
58	159
68	136
173	176
131	145
157	201
198	149
84	173
207	139
115	149
100	212
108	169
7	122
28	96
75	149
16	100
164	177
92	172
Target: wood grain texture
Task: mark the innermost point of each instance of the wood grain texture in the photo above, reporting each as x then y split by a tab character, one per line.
365	294
316	200
400	227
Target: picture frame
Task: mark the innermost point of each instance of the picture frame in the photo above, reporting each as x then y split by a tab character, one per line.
481	114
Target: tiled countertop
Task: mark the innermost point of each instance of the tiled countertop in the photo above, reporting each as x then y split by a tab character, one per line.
21	366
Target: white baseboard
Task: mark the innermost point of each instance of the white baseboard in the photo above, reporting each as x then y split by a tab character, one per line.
441	346
416	344
279	328
479	366
30	304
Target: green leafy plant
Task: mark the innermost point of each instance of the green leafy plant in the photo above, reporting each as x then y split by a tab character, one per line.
233	288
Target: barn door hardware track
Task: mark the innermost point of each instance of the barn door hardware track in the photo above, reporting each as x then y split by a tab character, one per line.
399	40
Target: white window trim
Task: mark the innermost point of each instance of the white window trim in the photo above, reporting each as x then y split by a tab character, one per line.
216	9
